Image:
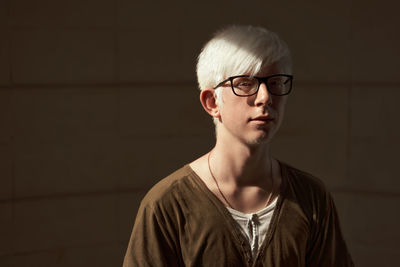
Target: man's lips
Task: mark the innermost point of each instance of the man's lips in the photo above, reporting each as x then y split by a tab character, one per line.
262	118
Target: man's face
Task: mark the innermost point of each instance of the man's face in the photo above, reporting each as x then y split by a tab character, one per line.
253	119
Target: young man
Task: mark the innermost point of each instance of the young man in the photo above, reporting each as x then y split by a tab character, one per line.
237	205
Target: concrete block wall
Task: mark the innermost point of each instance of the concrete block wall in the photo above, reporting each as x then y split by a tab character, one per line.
98	101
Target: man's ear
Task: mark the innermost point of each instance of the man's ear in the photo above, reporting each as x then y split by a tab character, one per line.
208	100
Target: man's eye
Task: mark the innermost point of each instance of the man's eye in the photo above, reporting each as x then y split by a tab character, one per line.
244	84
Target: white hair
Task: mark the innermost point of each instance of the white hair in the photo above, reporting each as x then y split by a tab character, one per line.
238	50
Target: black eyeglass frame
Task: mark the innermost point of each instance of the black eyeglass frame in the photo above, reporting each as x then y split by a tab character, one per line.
260	80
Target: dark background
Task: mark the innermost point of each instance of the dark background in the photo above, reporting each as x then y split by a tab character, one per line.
98	101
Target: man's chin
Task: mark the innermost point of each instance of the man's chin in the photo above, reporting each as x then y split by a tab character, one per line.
263	138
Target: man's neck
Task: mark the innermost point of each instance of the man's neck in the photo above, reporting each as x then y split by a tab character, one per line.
241	164
240	174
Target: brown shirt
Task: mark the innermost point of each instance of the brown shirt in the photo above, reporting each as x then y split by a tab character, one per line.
182	223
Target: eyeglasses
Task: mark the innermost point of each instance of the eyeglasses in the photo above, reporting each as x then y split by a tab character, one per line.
246	85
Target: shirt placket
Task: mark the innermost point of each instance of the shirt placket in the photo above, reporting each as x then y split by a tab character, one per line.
253	226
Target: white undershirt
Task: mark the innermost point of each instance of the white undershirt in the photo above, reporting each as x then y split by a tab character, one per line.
254	225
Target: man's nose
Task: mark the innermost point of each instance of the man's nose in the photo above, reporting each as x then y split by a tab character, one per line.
263	96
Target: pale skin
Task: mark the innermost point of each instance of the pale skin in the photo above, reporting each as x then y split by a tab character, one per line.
241	160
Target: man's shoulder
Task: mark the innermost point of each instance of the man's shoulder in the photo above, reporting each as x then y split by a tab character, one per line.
308	192
169	188
303	181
